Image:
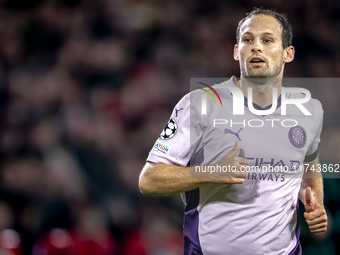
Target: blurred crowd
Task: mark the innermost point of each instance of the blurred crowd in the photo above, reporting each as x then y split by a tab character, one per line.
86	87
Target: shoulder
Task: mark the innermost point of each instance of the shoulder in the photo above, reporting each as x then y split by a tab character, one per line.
205	95
313	105
218	92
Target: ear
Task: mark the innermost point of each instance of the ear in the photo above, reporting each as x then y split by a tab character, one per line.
289	54
236	56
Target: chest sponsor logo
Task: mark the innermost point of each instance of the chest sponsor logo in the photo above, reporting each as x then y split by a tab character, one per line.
272	170
293	165
161	147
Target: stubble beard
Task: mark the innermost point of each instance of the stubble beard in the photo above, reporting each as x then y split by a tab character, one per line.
262	76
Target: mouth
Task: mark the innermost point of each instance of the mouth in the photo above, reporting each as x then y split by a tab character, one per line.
257	61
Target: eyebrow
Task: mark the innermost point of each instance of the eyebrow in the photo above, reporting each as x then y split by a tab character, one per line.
266	33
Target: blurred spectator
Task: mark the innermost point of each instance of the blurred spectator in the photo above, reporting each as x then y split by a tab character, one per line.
90	236
10	240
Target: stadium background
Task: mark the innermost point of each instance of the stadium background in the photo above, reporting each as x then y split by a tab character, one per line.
85	89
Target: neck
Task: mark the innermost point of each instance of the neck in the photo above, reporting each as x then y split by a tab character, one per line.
262	89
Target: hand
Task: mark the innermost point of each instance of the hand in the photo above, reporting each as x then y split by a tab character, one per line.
237	167
315	214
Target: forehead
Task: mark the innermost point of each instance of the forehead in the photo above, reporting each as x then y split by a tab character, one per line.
258	24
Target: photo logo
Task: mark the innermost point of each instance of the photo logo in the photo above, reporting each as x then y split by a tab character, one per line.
238	100
204	100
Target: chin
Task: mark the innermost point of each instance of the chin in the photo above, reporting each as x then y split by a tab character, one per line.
258	80
259	75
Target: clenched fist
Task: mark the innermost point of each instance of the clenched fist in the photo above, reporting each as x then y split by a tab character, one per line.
315	214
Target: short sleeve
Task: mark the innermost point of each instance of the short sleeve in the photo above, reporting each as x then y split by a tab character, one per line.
183	132
313	152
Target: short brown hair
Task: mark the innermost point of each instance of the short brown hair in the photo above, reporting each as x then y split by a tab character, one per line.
286	35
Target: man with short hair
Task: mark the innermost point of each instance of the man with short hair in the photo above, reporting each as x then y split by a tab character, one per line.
233	211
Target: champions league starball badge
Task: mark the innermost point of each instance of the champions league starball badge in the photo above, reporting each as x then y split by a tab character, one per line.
169	131
297	137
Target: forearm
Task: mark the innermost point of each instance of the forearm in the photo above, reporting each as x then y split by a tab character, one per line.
312	179
163	179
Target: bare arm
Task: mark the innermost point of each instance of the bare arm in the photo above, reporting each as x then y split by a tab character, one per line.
312	179
311	194
163	179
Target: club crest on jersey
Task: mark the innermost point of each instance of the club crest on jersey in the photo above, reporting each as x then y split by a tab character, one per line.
297	137
170	130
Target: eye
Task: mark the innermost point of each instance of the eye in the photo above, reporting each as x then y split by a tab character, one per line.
267	40
247	40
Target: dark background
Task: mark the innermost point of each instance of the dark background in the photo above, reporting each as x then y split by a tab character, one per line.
87	86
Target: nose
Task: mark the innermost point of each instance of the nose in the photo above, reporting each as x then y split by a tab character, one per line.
256	46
